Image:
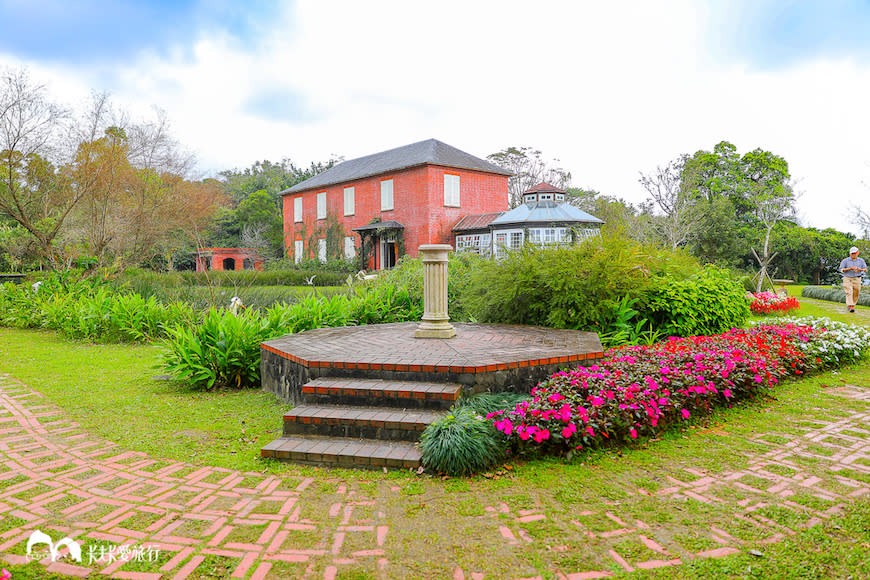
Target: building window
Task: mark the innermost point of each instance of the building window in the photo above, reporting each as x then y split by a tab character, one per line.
516	240
451	190
560	197
501	240
586	233
349	247
348	201
321	205
297	209
387	195
476	243
530	198
549	235
298	248
321	249
545	197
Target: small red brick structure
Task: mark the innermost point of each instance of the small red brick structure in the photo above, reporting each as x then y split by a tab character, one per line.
395	201
228	259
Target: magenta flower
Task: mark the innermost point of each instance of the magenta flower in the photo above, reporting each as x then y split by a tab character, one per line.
685	413
633	433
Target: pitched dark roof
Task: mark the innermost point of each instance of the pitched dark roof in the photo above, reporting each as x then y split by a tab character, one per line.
545	187
479	221
431	152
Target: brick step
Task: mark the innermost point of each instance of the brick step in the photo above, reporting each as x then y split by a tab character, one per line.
342	451
385	424
381	393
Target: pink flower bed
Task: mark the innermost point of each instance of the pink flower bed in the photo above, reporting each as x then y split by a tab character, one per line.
640	390
768	303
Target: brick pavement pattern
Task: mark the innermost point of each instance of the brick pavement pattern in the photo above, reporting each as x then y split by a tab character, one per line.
837	445
57	478
476	348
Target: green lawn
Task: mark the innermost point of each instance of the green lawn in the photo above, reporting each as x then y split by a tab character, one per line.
117	392
436	523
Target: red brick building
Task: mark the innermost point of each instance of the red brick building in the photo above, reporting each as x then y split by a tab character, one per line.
219	259
394	201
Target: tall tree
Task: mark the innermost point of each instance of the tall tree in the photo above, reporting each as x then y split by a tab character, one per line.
620	217
756	185
34	191
807	254
133	176
529	169
256	212
681	216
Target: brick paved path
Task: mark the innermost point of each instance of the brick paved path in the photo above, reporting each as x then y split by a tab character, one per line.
61	480
769	481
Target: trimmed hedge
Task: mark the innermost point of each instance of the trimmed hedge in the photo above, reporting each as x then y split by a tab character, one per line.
832	294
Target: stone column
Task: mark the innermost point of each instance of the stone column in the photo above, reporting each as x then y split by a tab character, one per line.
435	323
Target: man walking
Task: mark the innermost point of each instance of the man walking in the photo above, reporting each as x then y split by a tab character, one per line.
853	269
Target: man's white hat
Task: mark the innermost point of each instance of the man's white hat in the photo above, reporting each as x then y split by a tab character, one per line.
853	250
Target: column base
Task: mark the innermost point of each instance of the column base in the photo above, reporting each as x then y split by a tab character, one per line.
435	330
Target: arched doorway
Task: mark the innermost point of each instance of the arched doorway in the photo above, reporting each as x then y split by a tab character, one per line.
229	264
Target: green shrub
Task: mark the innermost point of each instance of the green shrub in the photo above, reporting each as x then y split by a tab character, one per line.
462	443
243	278
311	312
223	351
136	319
149	283
709	302
834	294
19	306
408	276
590	286
343	266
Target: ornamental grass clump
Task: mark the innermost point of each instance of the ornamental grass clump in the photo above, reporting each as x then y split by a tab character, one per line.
462	443
641	390
770	303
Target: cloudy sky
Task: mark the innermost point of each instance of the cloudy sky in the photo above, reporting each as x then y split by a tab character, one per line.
610	89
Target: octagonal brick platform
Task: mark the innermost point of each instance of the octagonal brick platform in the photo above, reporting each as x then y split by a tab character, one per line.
363	394
480	357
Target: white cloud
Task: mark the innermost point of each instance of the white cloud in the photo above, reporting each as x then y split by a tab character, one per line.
610	88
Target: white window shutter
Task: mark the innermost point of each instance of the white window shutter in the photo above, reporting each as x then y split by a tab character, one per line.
297	209
387	195
321	205
349	201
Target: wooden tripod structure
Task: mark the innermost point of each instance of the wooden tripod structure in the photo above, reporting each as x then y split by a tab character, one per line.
763	273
